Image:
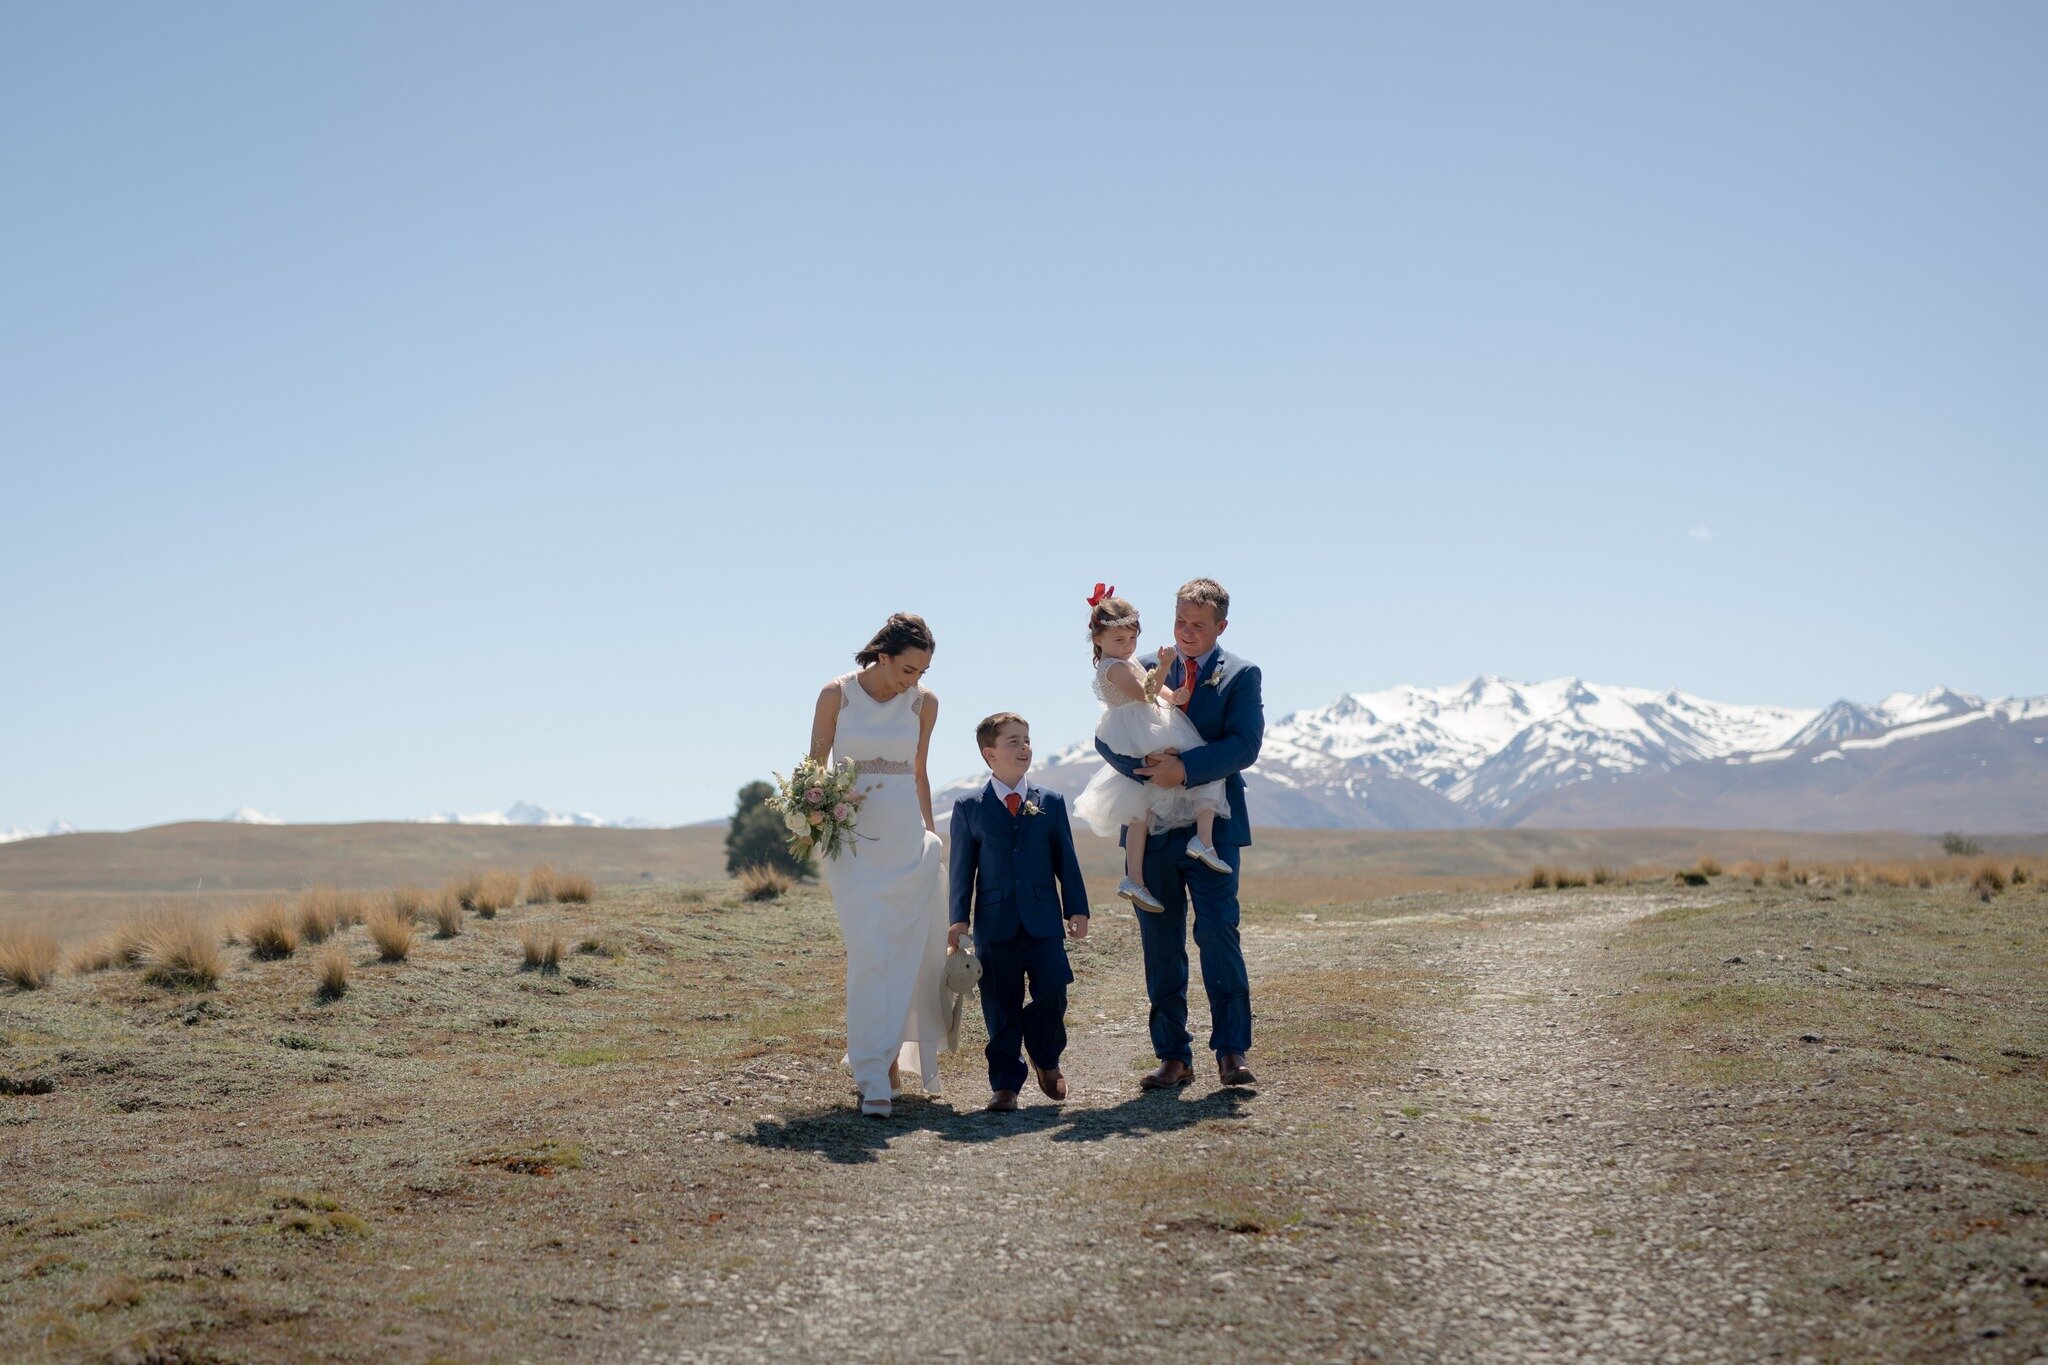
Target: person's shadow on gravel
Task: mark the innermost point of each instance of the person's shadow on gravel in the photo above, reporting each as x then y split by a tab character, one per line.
845	1137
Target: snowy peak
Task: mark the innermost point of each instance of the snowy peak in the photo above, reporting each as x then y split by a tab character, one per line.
249	815
20	832
1936	703
529	814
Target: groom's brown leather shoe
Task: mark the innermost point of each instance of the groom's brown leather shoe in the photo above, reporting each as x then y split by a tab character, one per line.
1231	1070
1051	1082
1169	1076
1003	1102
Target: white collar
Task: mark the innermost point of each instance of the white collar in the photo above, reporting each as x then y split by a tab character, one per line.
1203	662
1004	793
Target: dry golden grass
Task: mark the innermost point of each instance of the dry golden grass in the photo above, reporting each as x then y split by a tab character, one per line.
496	891
410	902
1601	874
763	883
446	915
465	889
540	885
316	918
28	955
1711	866
391	932
272	931
574	888
180	951
332	978
540	948
1539	878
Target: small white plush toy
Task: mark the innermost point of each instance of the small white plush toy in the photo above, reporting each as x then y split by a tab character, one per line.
963	974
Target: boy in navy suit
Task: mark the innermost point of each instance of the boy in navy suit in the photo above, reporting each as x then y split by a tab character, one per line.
1015	878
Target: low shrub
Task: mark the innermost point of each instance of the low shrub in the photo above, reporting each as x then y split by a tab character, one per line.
540	885
391	932
28	956
332	980
763	883
179	952
540	948
1690	876
445	914
272	931
1957	844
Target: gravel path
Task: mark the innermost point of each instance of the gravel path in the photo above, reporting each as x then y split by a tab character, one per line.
1520	1192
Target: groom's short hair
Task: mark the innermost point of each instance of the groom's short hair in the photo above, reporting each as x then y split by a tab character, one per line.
1206	592
986	733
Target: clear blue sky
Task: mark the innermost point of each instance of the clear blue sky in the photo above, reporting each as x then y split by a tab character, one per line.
410	407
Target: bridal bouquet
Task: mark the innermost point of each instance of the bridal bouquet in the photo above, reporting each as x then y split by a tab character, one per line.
818	804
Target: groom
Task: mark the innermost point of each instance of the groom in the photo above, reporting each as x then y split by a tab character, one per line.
1226	707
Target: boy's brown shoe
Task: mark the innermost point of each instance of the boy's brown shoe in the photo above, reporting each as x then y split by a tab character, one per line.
1051	1082
1003	1102
1169	1076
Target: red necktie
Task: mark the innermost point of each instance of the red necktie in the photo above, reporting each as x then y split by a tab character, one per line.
1013	801
1188	672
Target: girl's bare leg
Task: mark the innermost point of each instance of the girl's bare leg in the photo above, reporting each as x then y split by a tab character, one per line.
1134	851
1205	825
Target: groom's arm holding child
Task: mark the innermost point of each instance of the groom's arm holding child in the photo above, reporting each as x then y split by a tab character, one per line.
1244	731
964	860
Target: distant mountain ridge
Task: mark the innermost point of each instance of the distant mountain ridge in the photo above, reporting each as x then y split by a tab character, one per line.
527	813
1494	752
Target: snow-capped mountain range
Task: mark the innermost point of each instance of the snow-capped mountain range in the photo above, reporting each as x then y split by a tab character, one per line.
1495	752
527	813
20	832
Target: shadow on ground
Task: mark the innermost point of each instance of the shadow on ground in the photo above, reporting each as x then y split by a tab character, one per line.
845	1136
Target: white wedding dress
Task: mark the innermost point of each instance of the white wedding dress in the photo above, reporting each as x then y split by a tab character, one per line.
889	889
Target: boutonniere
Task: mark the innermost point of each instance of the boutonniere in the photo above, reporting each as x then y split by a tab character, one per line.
1215	679
1030	808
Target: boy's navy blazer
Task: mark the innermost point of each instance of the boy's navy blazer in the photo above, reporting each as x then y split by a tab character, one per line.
1014	873
1230	712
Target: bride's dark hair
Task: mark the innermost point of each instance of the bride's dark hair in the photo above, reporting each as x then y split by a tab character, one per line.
899	633
1110	611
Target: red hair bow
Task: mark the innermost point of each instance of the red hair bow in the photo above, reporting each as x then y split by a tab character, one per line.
1100	594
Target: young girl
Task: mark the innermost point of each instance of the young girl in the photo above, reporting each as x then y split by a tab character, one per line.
1137	720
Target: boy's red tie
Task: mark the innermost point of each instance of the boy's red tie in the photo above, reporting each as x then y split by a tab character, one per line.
1013	801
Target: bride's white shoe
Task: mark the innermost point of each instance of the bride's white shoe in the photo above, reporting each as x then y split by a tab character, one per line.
1207	856
877	1109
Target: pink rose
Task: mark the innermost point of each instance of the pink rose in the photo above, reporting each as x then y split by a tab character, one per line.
841	811
816	796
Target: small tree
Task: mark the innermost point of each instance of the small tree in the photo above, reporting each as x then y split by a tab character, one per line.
756	837
1959	845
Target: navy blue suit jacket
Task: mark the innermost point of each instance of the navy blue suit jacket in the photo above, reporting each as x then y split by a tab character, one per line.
1014	873
1229	711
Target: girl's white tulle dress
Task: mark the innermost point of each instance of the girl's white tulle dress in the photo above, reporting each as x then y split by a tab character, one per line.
890	896
1134	729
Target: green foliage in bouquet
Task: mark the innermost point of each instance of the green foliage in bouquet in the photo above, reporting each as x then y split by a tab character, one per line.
756	837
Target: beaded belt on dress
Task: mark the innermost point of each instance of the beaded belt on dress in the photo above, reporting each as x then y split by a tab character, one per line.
882	765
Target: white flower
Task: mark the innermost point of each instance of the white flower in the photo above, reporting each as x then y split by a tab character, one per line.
796	823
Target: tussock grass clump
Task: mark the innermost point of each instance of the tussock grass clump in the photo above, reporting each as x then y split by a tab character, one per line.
602	945
331	982
99	955
272	931
391	932
1989	880
28	956
495	892
540	949
316	918
466	888
540	885
1565	879
574	888
179	952
1710	866
1689	876
410	902
1539	878
763	883
446	914
1601	874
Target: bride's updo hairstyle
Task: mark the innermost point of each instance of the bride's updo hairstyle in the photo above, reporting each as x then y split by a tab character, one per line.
899	633
1110	611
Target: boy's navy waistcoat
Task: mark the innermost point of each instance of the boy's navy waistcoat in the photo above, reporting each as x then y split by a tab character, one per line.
1017	873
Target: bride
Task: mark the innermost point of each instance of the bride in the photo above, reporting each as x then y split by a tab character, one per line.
888	885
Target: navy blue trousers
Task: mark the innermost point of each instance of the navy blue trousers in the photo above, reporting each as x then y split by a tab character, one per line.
1017	1028
1176	879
